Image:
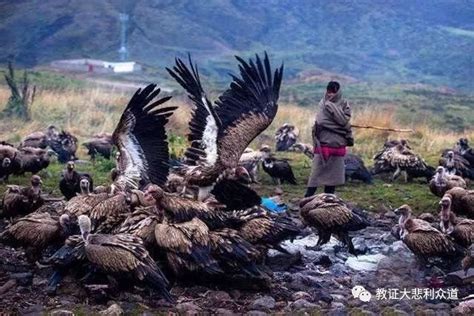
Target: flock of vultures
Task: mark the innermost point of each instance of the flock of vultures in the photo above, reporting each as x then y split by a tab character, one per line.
196	217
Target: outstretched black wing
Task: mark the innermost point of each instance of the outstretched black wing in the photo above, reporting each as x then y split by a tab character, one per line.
204	123
141	140
247	108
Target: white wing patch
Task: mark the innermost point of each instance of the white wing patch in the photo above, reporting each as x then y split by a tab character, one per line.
136	166
209	137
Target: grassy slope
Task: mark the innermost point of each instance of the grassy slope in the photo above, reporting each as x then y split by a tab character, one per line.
85	110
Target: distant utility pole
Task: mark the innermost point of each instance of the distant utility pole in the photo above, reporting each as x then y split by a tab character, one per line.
123	52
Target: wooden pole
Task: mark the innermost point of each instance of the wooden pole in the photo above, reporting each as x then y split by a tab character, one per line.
384	128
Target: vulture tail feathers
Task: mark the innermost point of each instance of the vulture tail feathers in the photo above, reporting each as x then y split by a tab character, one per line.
155	279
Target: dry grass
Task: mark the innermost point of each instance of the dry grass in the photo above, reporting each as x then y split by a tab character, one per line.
90	111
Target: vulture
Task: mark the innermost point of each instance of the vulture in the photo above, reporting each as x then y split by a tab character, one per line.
303	148
262	229
140	137
69	185
465	150
286	136
141	223
460	229
100	144
330	215
456	164
397	157
355	169
7	157
122	255
250	160
36	140
462	201
30	159
70	256
109	214
187	247
234	254
468	261
36	231
22	200
405	160
180	209
220	133
85	201
423	239
65	146
279	169
443	182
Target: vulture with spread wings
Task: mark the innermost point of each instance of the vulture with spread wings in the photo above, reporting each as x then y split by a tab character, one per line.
220	132
140	137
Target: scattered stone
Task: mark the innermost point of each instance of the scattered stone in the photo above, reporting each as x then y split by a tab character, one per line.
339	270
61	312
365	262
23	279
33	310
301	295
7	286
302	304
188	308
218	296
338	308
256	313
264	303
464	308
113	310
323	260
224	312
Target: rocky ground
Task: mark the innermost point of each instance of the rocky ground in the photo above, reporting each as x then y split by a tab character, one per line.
312	280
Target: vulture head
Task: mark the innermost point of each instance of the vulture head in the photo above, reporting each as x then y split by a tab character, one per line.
52	132
84	225
445	215
265	149
12	188
464	143
405	214
137	198
242	175
6	162
440	175
66	223
70	166
84	185
450	154
36	181
153	193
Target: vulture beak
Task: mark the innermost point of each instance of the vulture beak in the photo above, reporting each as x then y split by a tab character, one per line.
396	211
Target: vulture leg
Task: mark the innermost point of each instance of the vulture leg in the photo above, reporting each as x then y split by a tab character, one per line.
405	176
396	174
348	241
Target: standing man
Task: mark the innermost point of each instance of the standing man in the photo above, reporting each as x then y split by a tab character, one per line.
331	134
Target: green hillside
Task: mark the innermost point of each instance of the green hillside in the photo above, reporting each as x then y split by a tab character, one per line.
382	41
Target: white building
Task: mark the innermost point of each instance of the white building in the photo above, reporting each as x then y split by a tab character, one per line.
95	65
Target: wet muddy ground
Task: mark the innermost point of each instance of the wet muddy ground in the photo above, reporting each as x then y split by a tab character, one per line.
311	280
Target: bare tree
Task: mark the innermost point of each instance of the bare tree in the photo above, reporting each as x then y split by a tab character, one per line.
22	95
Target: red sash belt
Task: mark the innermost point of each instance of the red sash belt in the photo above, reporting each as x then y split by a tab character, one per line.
330	151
